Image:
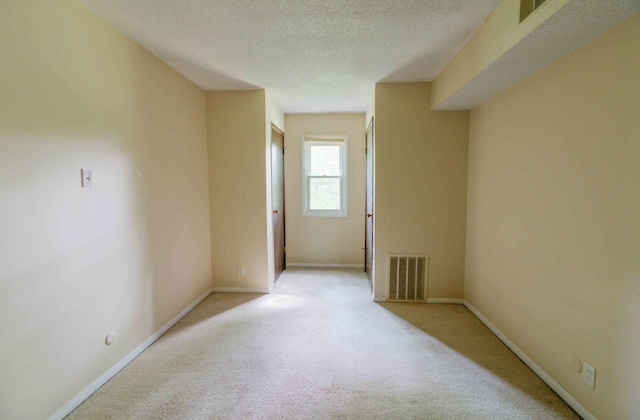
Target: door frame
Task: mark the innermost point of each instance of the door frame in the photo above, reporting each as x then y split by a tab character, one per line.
369	251
284	229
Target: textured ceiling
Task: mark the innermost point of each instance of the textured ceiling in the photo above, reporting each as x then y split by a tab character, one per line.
312	55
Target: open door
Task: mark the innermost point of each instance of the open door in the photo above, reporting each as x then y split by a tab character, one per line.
368	232
277	199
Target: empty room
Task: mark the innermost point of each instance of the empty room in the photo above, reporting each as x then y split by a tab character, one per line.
224	209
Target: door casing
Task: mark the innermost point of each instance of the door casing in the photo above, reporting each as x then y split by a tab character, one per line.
368	231
277	200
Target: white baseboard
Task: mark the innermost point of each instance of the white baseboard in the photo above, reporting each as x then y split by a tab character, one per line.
322	265
239	290
450	301
86	393
563	393
379	299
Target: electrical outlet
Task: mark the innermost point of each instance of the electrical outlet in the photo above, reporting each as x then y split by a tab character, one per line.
240	270
589	375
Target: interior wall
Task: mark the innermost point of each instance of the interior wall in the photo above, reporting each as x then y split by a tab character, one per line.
324	240
236	122
125	256
421	185
553	231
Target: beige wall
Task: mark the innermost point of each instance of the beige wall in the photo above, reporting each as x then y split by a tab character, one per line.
237	188
553	231
125	256
421	178
324	240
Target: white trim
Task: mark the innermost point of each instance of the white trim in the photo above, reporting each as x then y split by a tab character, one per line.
102	379
340	140
239	290
379	299
323	265
450	301
563	393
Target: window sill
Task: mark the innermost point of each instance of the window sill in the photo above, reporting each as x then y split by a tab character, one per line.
325	213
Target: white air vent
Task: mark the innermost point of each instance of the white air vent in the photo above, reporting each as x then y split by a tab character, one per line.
407	277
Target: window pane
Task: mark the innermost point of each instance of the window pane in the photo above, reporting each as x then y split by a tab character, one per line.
324	193
324	160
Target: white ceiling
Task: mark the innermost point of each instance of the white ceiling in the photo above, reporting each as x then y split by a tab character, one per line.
312	55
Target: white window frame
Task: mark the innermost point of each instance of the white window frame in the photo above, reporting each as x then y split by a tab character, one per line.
307	142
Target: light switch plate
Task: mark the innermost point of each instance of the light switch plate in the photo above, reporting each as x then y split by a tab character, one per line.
589	375
87	178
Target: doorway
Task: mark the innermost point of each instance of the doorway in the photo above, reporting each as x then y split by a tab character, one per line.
277	200
368	231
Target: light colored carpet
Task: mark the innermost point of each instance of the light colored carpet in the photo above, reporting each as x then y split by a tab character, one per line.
318	348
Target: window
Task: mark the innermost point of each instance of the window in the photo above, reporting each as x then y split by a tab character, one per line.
324	172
